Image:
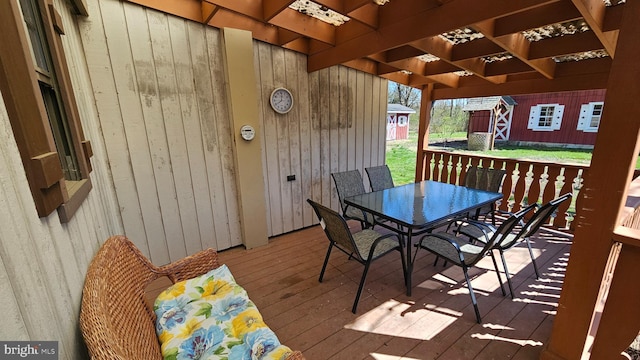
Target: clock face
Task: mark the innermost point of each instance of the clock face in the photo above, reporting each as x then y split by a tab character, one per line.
281	100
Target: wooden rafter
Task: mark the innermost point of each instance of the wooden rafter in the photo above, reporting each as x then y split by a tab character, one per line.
386	40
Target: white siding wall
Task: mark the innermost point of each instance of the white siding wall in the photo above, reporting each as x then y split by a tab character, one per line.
43	262
160	94
338	123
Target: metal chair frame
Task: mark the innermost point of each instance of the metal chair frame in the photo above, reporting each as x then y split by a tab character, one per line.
466	255
364	246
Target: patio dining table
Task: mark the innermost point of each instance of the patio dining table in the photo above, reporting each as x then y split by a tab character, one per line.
420	207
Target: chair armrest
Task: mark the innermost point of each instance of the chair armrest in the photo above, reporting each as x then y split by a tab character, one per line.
191	266
450	250
486	229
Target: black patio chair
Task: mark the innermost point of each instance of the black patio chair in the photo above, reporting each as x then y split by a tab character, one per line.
364	246
476	230
349	183
464	254
379	177
483	178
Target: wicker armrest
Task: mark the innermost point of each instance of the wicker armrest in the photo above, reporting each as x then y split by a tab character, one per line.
191	266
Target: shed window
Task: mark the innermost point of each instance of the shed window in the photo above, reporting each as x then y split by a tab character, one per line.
41	106
546	117
590	115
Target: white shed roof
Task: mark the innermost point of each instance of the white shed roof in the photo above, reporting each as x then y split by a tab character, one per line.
397	108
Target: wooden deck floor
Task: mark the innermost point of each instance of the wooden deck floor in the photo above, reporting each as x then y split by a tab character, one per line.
436	322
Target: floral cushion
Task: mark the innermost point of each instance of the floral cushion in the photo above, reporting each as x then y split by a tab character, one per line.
211	317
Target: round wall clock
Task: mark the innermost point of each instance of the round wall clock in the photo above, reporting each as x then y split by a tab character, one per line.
281	100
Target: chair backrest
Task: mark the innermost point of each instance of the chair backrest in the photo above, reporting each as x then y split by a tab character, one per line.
543	214
484	178
115	320
505	229
335	227
379	177
348	183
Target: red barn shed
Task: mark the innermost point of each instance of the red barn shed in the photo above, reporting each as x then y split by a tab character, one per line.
559	119
398	121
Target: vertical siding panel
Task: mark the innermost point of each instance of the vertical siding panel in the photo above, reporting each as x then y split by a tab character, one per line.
101	72
201	131
177	83
19	253
185	146
295	139
173	80
316	144
219	153
359	123
13	324
375	119
351	115
381	141
283	139
270	139
367	120
342	98
134	127
305	127
154	71
332	95
329	196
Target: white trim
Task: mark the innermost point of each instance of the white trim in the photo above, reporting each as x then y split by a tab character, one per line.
552	114
588	113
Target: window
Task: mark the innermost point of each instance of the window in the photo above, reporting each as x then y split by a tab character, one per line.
36	87
590	115
546	117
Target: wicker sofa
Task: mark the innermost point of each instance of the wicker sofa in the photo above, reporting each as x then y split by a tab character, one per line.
115	319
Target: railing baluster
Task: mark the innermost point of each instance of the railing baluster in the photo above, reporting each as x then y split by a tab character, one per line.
533	181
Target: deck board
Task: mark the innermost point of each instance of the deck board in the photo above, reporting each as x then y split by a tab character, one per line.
436	322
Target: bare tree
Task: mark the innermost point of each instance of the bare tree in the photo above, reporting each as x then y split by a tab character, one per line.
404	95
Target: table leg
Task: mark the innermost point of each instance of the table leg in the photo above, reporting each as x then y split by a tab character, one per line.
409	263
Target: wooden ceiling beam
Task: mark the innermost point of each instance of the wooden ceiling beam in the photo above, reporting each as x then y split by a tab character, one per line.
208	11
250	8
438	46
401	53
451	80
271	8
593	12
564	45
418	25
506	67
386	69
300	45
365	65
399	77
439	67
413	65
517	85
553	13
260	31
517	45
295	21
476	48
612	18
367	14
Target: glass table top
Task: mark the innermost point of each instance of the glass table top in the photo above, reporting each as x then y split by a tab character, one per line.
422	204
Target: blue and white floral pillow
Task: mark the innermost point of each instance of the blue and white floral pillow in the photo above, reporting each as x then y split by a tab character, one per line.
211	317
